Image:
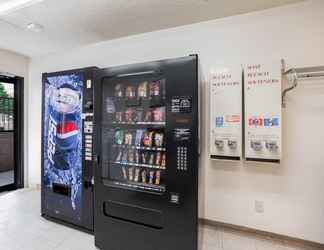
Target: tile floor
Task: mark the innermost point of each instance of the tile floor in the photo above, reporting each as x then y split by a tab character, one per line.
227	239
25	229
6	178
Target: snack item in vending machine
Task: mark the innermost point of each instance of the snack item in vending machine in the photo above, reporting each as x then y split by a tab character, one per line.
119	136
119	90
148	116
151	160
124	158
158	139
151	177
137	173
131	173
119	117
148	139
139	137
130	115
119	156
142	90
128	138
130	92
158	159
124	173
137	157
139	115
159	114
163	161
157	177
131	156
155	89
144	157
144	177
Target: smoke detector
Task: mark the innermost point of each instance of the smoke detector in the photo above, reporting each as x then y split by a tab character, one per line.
35	27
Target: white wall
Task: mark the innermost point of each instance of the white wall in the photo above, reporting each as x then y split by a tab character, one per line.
17	64
292	191
13	63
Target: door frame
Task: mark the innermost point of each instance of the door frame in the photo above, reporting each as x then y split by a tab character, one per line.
18	131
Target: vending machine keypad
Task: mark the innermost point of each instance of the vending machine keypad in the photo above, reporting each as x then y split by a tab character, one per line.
182	158
88	147
88	127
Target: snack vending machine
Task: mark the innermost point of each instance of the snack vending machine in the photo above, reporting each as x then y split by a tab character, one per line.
146	147
67	167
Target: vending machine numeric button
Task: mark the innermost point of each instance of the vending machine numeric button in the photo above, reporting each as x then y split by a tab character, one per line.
175	198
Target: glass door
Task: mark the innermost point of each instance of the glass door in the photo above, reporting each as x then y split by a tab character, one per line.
11	133
134	133
7	134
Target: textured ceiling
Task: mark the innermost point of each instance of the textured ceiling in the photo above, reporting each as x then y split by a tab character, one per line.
73	23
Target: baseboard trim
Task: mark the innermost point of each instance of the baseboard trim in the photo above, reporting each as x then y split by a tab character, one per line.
273	236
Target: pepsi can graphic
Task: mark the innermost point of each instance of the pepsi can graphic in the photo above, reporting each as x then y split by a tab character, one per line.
63	135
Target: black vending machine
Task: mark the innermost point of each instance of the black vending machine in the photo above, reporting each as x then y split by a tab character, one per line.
67	129
146	151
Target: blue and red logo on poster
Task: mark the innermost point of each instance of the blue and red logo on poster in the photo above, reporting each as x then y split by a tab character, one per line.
264	122
219	121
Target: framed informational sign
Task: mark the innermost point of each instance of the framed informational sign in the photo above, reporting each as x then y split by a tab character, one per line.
226	114
262	98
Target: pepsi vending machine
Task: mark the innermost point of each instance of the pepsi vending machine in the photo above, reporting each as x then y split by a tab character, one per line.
67	167
146	153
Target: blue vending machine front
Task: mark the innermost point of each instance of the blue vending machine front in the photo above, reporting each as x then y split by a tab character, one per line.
67	177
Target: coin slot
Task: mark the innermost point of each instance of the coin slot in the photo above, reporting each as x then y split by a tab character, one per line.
61	189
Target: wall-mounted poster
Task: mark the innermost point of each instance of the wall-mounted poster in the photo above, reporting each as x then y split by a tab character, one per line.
262	96
226	114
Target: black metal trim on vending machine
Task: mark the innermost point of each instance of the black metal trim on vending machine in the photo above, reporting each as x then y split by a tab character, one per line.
140	205
86	222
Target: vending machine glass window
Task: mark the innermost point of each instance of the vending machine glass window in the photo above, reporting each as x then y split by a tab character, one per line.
133	134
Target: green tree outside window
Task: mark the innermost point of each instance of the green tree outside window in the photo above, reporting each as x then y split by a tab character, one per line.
6	102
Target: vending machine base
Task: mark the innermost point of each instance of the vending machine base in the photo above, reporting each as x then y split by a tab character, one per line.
67	224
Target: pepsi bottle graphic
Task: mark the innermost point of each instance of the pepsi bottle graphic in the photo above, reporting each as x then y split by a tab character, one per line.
63	127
